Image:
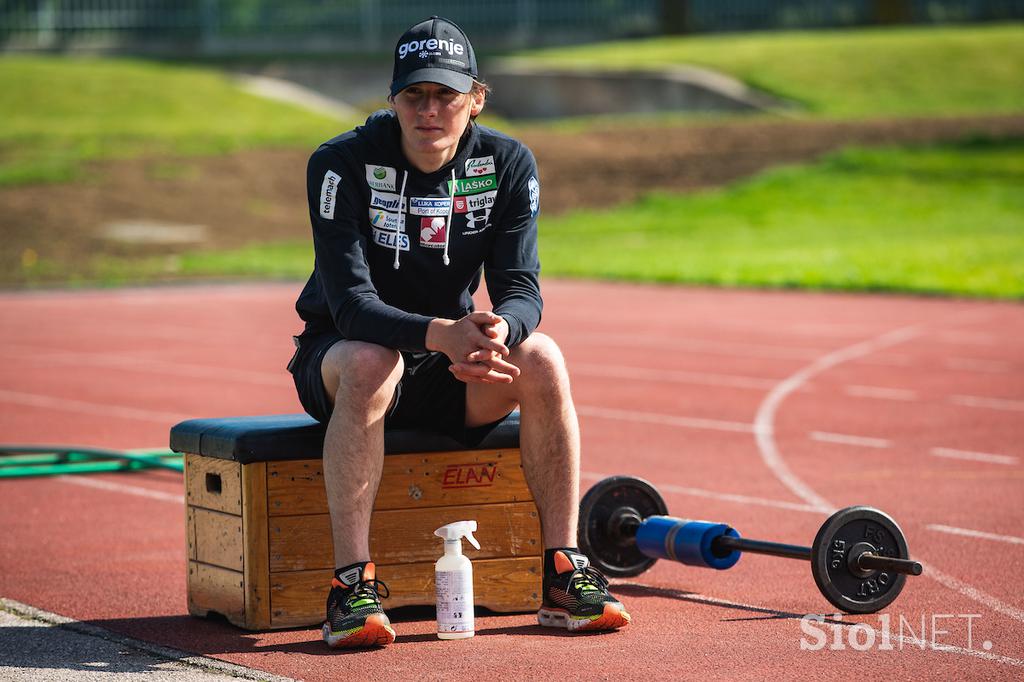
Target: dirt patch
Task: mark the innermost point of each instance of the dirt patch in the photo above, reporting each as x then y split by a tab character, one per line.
260	195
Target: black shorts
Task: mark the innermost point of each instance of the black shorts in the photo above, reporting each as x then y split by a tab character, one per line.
427	397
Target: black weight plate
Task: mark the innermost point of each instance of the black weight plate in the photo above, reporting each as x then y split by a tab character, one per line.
830	562
613	552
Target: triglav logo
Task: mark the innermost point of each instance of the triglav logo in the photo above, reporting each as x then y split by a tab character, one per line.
475	202
431	45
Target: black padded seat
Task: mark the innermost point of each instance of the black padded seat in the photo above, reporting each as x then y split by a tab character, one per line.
299	436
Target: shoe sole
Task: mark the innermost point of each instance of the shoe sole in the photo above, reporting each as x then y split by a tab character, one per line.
613	618
376	632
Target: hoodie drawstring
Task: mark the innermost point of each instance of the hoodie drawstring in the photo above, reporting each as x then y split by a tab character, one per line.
400	229
401	219
448	225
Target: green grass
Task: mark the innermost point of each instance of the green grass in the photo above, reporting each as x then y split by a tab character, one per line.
946	219
843	73
59	112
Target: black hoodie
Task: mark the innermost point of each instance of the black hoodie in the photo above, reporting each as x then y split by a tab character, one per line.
360	214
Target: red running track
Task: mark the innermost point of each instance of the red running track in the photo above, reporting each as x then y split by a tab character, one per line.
760	409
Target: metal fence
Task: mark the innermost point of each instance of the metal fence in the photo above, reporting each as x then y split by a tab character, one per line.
206	27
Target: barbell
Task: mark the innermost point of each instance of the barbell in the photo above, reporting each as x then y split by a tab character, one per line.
859	557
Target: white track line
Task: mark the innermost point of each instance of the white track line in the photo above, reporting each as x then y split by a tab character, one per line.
670	376
976	365
843	439
764	433
698	346
164	367
950	453
764	422
880	393
972	592
724	497
967	532
967	338
83	407
991	403
663	419
831	621
185	658
99	483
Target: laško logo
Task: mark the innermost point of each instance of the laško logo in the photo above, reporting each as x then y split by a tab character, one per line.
432	44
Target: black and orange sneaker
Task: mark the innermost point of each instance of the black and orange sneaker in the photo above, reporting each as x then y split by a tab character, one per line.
355	617
576	595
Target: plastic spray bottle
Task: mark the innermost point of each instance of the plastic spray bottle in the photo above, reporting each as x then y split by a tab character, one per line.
453	577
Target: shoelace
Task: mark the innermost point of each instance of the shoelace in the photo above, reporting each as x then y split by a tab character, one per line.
367	589
586	577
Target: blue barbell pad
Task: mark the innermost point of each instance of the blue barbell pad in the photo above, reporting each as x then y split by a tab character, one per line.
685	541
280	437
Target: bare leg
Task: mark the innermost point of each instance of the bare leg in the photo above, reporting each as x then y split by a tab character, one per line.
549	432
362	378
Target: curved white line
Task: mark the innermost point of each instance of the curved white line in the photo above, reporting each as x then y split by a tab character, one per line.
764	423
764	432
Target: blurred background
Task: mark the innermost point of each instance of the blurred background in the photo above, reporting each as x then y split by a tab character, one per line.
842	144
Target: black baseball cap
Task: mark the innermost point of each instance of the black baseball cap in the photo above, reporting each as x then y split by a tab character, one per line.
435	51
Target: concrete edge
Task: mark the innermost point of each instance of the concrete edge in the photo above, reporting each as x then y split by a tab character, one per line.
299	95
714	81
203	663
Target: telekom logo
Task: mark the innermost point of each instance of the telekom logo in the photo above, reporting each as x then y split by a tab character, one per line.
468	475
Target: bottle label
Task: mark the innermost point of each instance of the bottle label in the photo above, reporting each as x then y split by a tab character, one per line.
454	601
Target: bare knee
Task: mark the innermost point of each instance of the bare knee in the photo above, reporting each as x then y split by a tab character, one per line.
541	362
361	370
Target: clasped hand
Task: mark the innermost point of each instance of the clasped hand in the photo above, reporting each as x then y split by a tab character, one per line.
476	347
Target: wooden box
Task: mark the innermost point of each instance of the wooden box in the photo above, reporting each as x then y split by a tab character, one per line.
258	531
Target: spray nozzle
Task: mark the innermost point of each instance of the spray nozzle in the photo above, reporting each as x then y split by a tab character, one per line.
454	532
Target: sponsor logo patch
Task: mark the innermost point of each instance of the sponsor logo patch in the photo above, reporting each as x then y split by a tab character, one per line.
484	183
434	45
477	222
429	206
468	475
387	239
483	165
534	188
382	220
329	194
475	202
384	200
380	177
432	232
